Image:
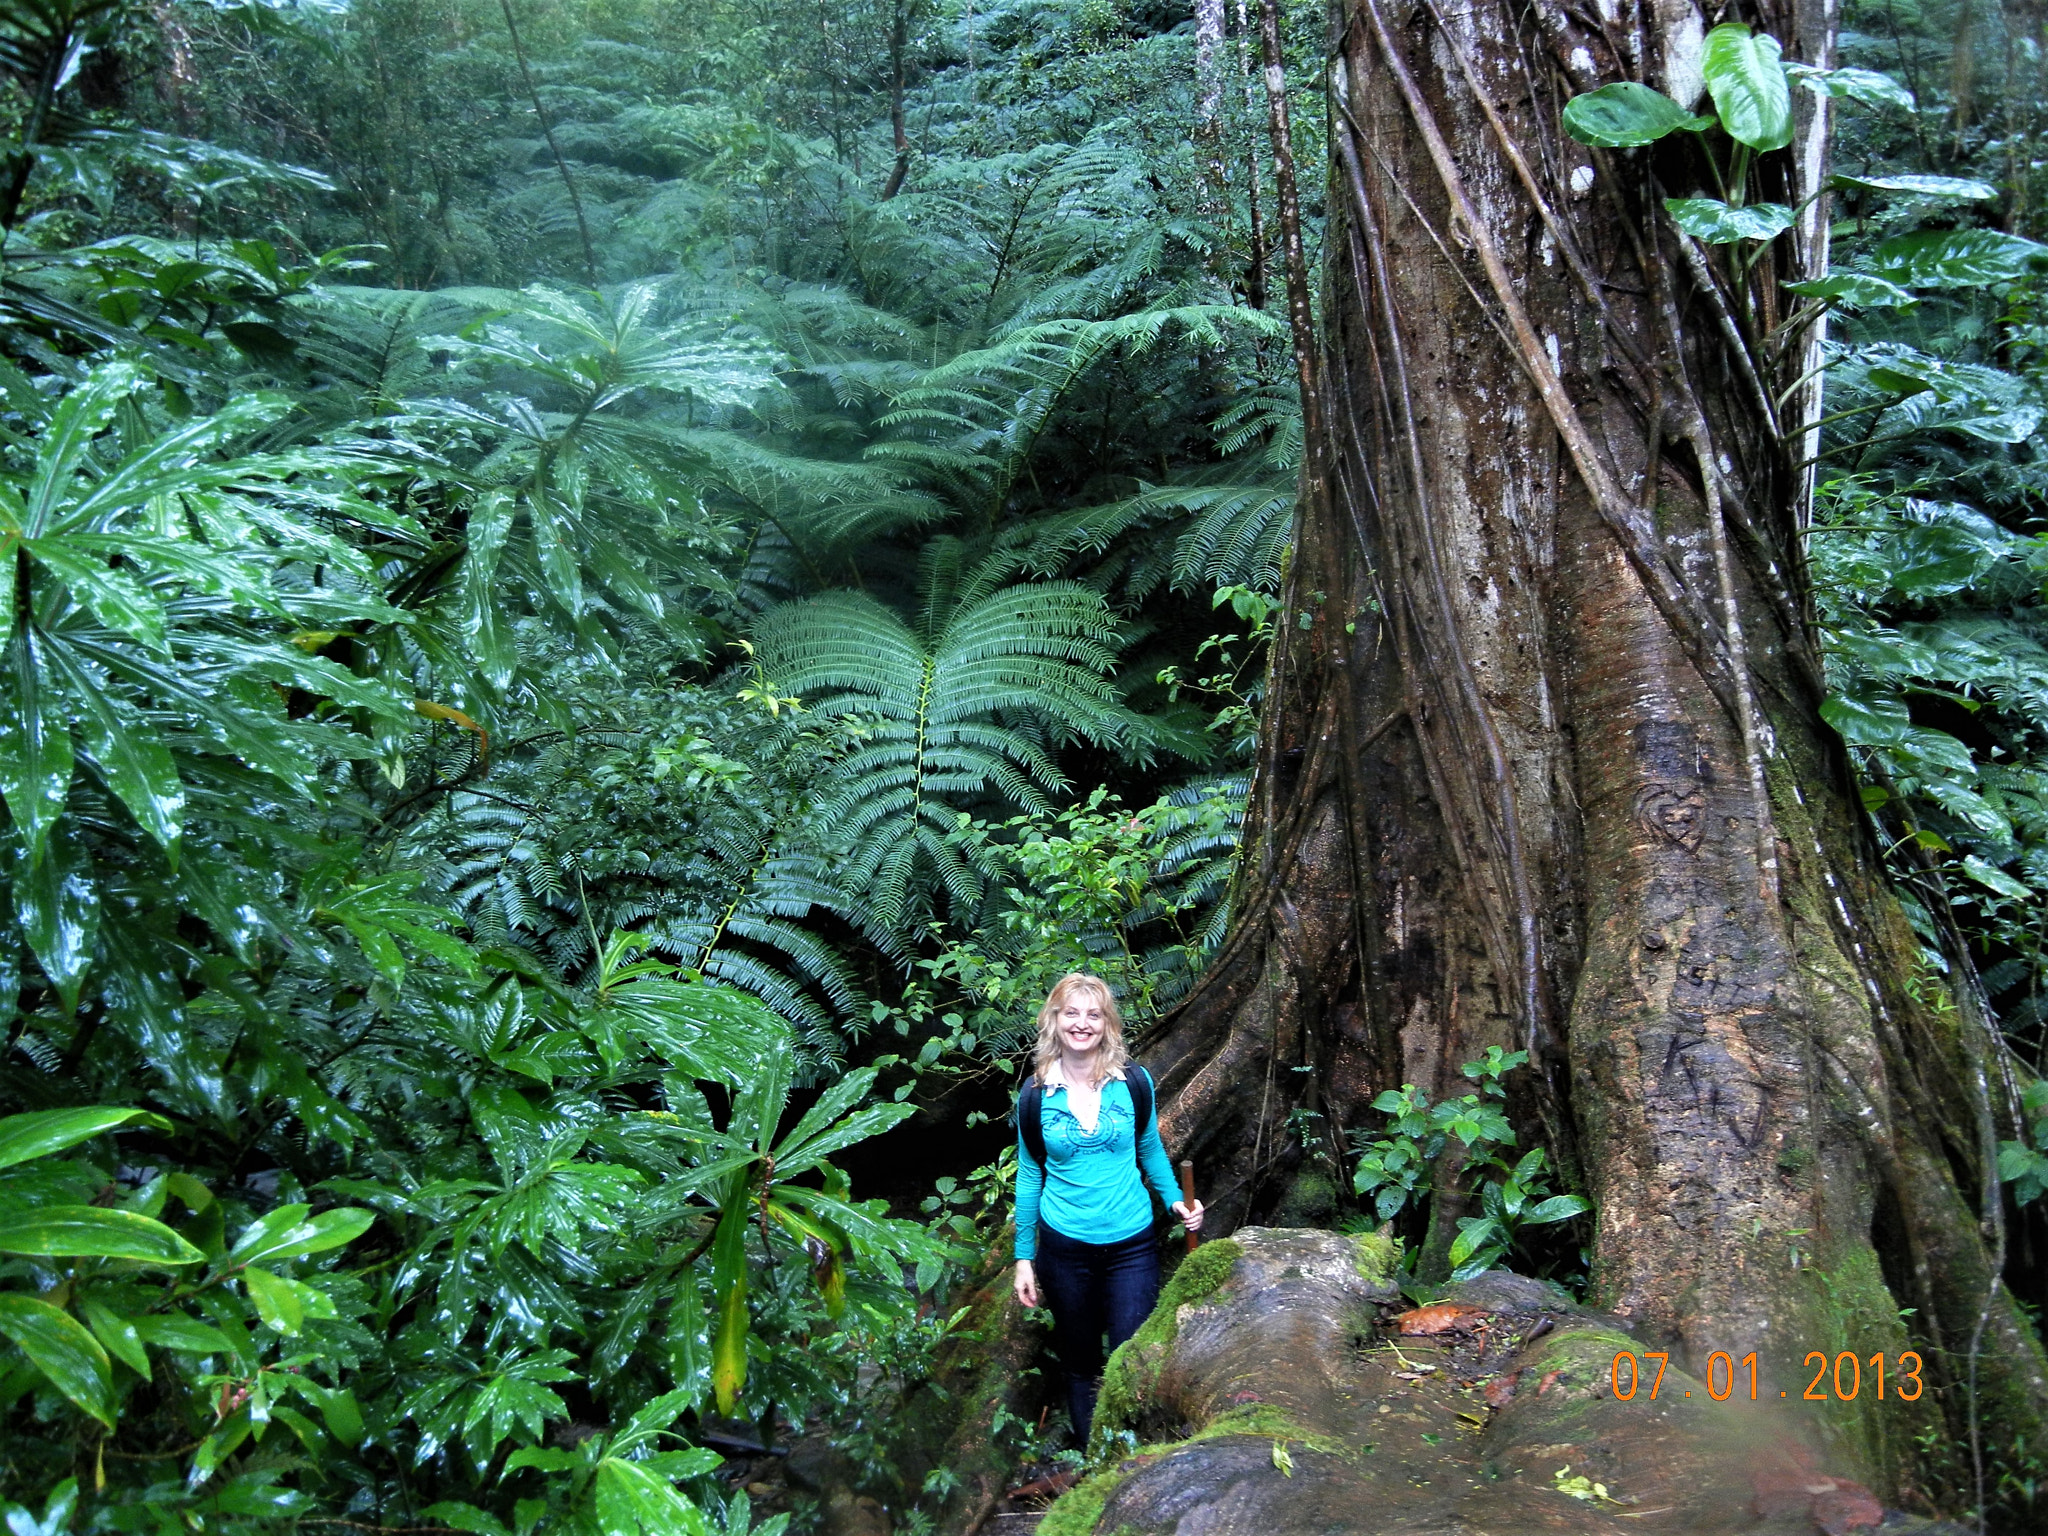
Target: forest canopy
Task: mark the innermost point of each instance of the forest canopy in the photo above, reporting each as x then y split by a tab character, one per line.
603	593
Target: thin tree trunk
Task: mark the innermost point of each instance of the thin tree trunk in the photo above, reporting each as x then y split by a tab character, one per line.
1542	765
1210	19
1294	253
548	132
1255	266
898	38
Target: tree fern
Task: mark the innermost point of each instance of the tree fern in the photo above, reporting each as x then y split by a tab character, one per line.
965	710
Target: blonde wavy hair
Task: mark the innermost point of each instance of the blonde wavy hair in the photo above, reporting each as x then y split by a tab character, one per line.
1110	1055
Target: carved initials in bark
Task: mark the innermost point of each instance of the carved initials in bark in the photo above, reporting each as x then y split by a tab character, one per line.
1673	812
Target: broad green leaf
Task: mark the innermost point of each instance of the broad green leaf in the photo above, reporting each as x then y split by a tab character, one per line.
1991	877
59	1346
1719	223
1958	258
275	1302
43	1131
286	1233
1878	722
86	1231
66	440
129	754
187	1335
729	1342
1865	85
58	908
1556	1208
114	597
857	1127
1474	1233
1955	188
651	1420
557	535
632	1501
1854	290
1747	82
688	1337
117	1333
489	635
341	1413
1627	115
35	743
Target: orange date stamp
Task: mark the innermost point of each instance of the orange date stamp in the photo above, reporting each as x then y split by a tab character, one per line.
1724	1372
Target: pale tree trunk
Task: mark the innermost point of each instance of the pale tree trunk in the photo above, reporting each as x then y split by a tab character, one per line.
1209	78
1542	764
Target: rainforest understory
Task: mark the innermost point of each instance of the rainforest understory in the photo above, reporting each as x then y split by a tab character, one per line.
602	594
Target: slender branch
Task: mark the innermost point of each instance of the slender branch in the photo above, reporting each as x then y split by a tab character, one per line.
548	132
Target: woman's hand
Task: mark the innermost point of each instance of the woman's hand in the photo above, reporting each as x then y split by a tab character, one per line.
1026	1284
1191	1218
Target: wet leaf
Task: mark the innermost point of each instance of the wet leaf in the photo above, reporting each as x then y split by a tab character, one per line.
1627	115
1747	82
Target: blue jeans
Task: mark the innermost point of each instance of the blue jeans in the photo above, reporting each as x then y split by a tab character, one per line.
1094	1289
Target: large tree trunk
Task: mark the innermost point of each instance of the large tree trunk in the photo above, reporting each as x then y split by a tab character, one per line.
1543	764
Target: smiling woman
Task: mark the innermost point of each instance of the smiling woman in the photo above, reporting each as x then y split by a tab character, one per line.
1087	1145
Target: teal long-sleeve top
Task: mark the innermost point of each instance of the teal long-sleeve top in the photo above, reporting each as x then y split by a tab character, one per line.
1089	1188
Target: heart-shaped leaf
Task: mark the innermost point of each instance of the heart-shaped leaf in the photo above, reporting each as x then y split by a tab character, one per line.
1627	115
1747	81
1719	223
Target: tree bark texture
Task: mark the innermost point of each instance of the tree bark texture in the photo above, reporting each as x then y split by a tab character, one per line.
1542	764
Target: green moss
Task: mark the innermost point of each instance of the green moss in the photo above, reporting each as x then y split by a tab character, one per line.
1075	1512
1379	1256
1311	1200
1131	1369
1856	1313
1268	1421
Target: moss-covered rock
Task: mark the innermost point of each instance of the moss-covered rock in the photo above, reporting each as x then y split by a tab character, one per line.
1128	1374
1311	1199
1279	1403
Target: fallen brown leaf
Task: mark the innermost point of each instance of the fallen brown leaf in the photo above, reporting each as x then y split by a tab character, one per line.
1440	1317
1501	1389
1549	1380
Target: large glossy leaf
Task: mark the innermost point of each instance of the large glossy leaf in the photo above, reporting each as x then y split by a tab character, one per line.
1627	115
1854	290
729	1287
1718	223
59	1346
857	1127
187	1335
58	908
113	595
633	1501
287	1232
1958	258
116	1334
128	753
1952	188
43	1131
1747	82
85	1231
1868	86
35	743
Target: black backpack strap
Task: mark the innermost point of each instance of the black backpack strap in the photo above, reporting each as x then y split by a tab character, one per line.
1030	1121
1139	1081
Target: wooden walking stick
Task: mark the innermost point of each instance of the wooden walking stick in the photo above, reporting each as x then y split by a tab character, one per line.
1187	1196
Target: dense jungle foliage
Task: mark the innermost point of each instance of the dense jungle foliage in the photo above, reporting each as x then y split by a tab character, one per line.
602	593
